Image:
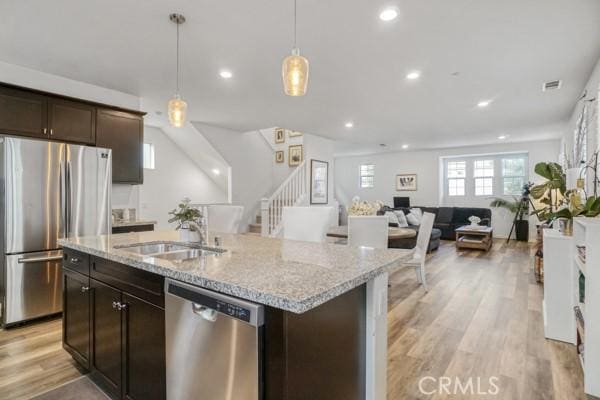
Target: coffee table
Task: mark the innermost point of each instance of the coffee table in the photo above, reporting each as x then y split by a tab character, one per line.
469	237
393	233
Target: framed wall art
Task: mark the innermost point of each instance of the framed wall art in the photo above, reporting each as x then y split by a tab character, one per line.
295	155
406	182
319	182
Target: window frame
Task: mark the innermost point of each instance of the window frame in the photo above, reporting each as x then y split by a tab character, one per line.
151	156
488	173
449	179
505	176
366	175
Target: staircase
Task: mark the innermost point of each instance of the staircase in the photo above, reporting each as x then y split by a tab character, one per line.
292	192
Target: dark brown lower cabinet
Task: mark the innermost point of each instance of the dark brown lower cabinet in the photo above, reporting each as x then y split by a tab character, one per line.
144	350
128	336
76	316
106	337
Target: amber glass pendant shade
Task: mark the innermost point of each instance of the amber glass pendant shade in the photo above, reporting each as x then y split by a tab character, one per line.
295	74
177	110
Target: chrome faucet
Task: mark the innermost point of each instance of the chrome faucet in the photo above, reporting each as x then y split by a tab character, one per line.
201	227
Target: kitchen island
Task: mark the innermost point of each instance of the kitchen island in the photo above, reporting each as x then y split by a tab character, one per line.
324	308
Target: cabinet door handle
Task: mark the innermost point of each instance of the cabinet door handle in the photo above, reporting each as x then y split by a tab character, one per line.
45	131
51	131
84	289
75	260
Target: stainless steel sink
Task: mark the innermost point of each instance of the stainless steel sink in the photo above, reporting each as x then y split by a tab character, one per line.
171	250
188	254
153	248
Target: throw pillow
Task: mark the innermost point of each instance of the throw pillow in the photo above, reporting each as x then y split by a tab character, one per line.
402	222
417	213
412	219
392	218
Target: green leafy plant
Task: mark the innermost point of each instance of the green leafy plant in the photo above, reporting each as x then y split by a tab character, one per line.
184	214
513	206
552	193
554	196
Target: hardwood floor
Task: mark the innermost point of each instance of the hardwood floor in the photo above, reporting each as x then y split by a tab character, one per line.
481	318
32	360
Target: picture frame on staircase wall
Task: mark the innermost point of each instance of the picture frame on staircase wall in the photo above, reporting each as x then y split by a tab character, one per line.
295	155
319	182
279	135
279	157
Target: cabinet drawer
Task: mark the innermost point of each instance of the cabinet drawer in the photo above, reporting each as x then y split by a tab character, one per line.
145	285
76	261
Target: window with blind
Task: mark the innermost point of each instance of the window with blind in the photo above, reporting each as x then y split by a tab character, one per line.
367	176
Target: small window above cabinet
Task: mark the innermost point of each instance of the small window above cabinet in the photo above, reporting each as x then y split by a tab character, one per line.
123	132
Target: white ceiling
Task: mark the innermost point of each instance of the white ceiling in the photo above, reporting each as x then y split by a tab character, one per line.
502	50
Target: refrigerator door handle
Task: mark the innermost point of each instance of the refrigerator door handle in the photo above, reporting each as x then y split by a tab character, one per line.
38	259
68	203
62	182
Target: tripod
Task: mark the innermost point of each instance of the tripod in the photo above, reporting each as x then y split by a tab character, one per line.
524	204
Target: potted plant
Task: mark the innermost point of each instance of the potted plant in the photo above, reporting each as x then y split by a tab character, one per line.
183	215
520	209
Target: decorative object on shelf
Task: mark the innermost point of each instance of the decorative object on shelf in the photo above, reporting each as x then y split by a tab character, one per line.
183	215
520	208
406	182
279	135
358	207
279	156
294	69
319	182
294	133
177	106
295	155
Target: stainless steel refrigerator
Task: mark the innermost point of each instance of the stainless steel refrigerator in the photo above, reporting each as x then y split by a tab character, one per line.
48	190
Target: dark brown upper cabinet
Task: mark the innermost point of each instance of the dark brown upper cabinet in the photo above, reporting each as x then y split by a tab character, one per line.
71	121
23	113
123	132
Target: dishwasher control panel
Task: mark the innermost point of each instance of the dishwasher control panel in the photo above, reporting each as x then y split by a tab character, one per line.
233	310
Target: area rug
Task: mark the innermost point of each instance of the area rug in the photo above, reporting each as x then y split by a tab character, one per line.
81	388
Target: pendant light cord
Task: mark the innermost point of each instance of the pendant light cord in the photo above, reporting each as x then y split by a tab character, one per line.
295	17
178	58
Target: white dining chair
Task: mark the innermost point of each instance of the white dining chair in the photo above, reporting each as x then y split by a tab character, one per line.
225	218
368	231
306	223
420	250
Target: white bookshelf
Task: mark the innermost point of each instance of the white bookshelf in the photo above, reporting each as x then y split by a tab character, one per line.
558	304
586	232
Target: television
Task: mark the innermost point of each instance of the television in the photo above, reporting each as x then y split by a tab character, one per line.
401	202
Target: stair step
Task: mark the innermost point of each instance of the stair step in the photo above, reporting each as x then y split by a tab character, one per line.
255	228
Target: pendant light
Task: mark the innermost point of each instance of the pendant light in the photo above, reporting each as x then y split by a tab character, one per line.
177	106
295	69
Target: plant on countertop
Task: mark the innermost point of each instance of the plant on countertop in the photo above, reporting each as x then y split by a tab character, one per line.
364	207
184	214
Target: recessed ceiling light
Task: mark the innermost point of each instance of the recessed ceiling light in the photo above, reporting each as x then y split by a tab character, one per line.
484	103
216	171
405	146
226	74
502	137
389	14
413	75
349	124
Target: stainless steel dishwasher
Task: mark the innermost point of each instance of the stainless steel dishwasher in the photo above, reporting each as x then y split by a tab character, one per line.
213	344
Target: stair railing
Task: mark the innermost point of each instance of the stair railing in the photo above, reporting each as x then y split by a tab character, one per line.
290	193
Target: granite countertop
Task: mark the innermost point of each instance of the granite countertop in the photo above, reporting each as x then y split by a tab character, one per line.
290	275
119	223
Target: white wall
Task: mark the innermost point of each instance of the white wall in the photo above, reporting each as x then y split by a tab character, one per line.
176	176
426	164
593	91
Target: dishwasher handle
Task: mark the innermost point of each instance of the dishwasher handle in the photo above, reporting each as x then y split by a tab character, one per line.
208	304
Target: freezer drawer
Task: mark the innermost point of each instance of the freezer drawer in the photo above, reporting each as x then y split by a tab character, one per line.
33	285
213	345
